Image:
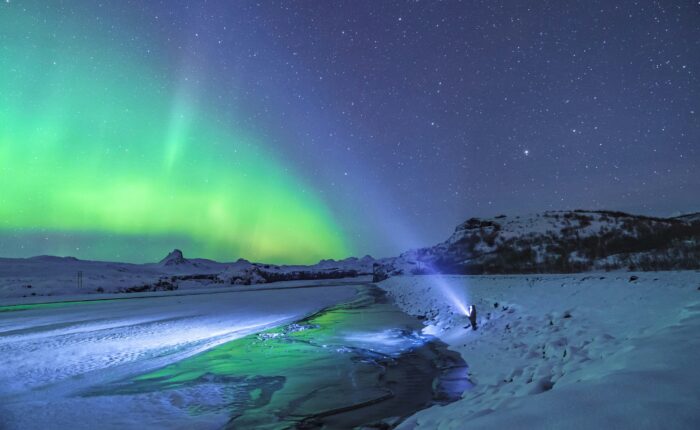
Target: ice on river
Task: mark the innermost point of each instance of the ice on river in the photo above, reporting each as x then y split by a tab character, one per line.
52	353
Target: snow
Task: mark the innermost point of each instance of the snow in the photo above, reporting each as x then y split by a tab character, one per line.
48	276
556	242
578	351
593	350
547	222
52	355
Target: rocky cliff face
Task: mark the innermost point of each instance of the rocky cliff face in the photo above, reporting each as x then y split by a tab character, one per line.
558	242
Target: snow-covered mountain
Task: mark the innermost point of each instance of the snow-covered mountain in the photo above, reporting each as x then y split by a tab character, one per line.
245	272
550	242
49	275
556	242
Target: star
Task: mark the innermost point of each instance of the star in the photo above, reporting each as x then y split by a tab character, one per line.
445	127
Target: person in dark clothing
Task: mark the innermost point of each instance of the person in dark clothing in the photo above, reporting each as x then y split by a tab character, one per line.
472	316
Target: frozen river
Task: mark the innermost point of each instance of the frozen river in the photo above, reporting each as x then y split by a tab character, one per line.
213	360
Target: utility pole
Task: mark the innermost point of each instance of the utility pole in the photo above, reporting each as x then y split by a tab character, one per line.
80	279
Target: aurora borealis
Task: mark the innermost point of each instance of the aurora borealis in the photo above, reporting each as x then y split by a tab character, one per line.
91	143
285	132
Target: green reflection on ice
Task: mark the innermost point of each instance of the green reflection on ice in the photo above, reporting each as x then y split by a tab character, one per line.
282	376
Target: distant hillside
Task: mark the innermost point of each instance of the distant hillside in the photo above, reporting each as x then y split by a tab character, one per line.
49	275
558	242
550	242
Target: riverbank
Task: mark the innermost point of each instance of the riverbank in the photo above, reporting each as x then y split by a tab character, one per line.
594	350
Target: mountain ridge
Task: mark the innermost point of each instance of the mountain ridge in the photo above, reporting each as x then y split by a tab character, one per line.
557	242
546	242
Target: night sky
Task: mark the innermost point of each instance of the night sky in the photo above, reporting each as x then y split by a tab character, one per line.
294	131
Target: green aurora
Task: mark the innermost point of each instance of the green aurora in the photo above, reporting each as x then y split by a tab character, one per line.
95	143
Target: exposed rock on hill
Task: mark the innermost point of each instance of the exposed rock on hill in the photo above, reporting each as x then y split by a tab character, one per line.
175	258
558	242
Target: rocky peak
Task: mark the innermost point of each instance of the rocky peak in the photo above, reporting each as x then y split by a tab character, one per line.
175	258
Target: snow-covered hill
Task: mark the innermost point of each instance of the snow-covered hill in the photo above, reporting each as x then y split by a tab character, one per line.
48	275
556	242
550	242
245	273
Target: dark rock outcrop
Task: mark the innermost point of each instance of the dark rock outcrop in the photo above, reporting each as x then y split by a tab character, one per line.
175	258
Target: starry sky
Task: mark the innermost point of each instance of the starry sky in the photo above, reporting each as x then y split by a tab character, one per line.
293	131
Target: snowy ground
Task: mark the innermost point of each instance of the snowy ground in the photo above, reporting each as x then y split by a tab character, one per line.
595	350
43	277
566	351
52	354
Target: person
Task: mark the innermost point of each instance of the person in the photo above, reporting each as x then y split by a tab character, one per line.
472	316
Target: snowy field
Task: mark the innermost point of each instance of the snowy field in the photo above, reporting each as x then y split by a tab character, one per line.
585	351
594	350
51	354
38	278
